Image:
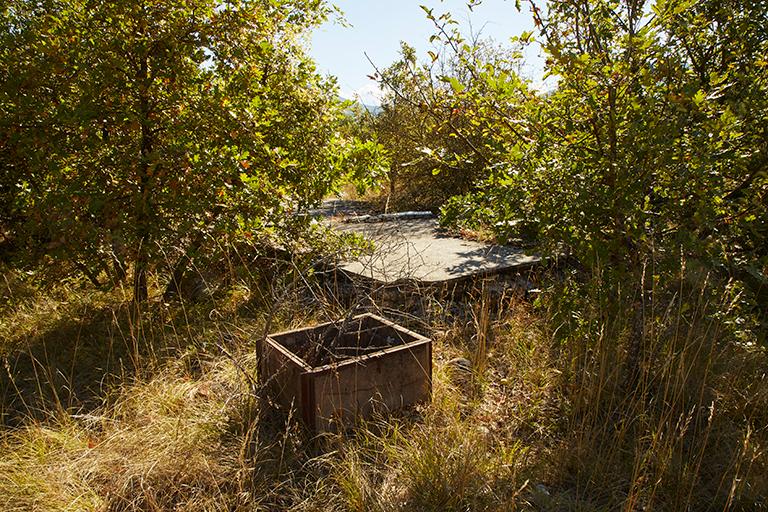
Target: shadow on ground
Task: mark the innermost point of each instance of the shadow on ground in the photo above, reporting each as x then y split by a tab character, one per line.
74	364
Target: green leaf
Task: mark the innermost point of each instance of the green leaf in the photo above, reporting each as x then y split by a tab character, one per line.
457	86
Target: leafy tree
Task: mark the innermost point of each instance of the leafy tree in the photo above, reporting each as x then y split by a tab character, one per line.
647	162
137	128
653	139
649	150
433	121
365	162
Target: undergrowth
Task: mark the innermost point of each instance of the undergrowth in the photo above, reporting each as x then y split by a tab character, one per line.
581	401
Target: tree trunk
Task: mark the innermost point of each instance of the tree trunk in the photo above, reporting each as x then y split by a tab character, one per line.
140	291
391	192
142	213
186	258
92	277
118	264
180	268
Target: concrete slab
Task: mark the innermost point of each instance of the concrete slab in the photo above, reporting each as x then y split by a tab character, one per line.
416	249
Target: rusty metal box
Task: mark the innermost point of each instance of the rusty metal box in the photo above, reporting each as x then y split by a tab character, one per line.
337	371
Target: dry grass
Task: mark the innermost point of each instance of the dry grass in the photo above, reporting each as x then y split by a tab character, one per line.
168	442
103	410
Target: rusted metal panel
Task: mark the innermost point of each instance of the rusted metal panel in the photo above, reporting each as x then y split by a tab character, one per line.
374	366
308	400
281	372
384	382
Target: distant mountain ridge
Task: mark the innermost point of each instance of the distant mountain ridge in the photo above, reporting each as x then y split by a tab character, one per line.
372	109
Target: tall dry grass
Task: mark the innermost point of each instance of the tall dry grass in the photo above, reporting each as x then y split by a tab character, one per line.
651	378
653	398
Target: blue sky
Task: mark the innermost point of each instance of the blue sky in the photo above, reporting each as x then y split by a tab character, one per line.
377	27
